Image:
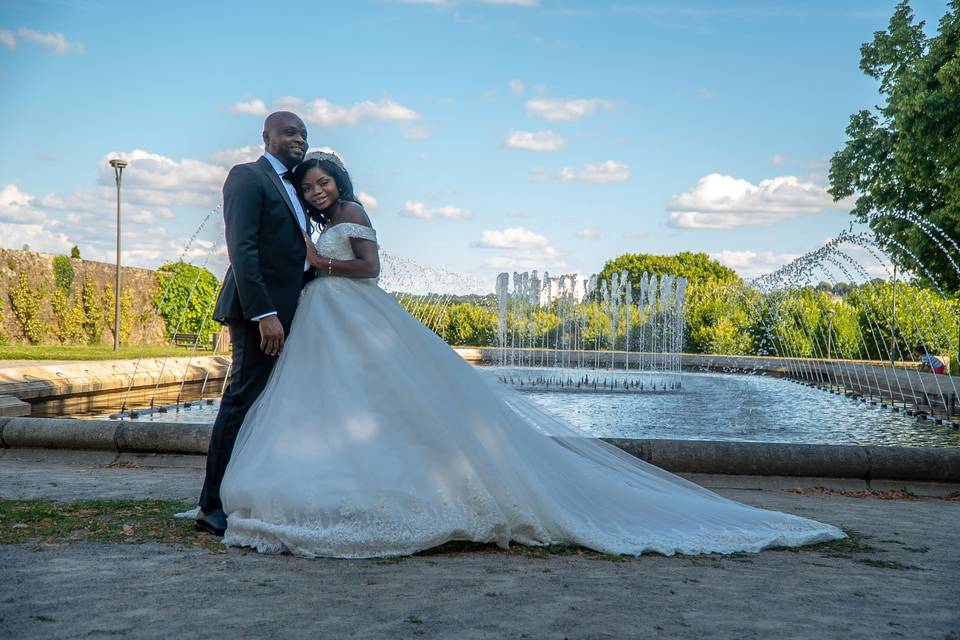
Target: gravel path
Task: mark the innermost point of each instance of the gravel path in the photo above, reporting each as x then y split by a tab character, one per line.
905	588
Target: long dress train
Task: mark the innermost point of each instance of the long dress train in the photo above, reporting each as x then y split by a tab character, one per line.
374	438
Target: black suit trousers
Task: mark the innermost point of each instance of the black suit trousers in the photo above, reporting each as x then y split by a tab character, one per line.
249	374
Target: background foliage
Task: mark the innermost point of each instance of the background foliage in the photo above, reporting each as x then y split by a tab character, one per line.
184	297
903	159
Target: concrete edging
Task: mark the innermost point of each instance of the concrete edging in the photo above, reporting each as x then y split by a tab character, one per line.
864	462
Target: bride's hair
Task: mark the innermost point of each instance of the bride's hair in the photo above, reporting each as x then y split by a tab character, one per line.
332	169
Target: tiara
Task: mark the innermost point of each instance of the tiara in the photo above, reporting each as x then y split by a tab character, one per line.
324	155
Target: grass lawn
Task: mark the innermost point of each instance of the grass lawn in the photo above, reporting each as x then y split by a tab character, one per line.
91	352
117	521
139	521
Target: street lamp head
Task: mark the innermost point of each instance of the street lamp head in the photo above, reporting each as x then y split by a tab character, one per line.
118	163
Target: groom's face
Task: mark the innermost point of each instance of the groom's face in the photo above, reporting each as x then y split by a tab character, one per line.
286	140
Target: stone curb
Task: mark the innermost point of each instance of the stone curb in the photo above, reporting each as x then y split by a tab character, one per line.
683	456
811	460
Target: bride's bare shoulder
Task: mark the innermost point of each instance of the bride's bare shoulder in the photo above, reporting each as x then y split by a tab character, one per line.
353	212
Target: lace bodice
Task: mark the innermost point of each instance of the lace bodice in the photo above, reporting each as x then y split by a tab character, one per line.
334	242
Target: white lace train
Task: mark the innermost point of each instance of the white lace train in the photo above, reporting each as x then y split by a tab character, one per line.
373	438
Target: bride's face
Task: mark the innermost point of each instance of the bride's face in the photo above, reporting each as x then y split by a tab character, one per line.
319	189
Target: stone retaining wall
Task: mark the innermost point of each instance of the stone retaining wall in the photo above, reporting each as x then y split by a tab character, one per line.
139	284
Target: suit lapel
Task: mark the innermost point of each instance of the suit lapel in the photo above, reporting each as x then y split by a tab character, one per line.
267	168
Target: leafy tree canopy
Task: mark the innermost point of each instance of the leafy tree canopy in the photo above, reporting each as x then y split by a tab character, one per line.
695	267
903	159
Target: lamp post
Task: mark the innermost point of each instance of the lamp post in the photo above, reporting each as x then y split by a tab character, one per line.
118	166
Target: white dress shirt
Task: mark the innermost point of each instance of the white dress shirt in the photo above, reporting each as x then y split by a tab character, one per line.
297	209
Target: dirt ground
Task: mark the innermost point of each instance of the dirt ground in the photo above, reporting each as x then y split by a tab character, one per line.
898	579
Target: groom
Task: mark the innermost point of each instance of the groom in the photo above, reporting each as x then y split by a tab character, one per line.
264	222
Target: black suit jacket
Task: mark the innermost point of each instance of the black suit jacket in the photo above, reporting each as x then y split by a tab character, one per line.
264	244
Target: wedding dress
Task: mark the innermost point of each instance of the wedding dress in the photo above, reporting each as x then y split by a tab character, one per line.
374	438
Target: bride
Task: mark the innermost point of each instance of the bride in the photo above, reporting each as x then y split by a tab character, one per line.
374	438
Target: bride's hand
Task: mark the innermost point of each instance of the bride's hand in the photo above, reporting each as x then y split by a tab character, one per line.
312	257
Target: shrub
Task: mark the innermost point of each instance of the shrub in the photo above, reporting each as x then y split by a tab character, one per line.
68	316
63	273
25	301
93	312
468	324
184	298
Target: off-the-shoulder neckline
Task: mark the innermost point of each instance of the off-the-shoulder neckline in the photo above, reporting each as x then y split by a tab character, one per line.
356	224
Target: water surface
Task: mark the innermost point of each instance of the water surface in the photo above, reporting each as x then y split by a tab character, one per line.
710	406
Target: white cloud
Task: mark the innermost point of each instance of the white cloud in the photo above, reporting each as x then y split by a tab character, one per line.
413	209
723	202
565	110
590	233
534	141
16	206
38	236
153	179
255	107
777	160
152	186
52	201
55	43
603	173
86	217
368	201
516	87
520	248
750	264
512	238
226	158
326	113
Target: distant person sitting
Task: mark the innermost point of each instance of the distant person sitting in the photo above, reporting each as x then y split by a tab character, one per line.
928	362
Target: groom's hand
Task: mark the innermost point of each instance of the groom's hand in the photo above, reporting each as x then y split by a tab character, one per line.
271	335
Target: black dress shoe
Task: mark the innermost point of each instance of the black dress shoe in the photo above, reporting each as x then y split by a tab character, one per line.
213	522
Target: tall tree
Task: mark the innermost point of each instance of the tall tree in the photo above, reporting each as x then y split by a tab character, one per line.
903	159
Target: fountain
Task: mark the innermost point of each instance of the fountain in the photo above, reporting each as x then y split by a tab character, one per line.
605	353
592	335
875	326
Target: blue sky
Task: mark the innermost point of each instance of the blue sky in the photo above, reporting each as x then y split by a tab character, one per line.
484	135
